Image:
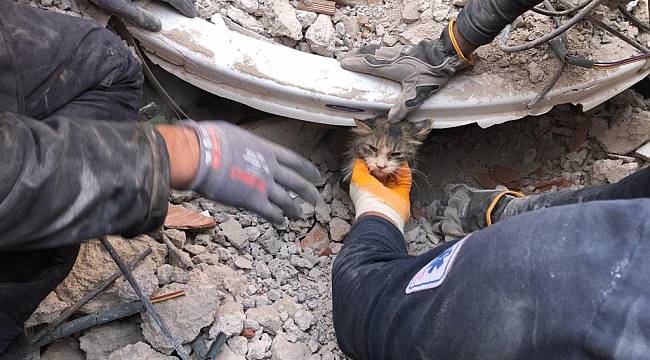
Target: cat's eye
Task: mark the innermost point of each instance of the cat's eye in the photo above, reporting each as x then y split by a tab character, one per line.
372	148
396	154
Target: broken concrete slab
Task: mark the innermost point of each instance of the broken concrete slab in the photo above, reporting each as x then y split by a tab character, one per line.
94	264
321	35
140	351
280	19
185	316
234	233
146	278
611	171
338	229
100	341
64	349
629	130
48	310
229	319
282	349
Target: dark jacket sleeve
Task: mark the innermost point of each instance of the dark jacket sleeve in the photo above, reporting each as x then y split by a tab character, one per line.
66	180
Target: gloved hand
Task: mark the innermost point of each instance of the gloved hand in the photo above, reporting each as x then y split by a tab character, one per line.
422	70
141	17
241	169
390	200
464	209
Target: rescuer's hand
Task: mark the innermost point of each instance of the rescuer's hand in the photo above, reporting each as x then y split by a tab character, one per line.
241	169
422	70
465	209
141	17
390	200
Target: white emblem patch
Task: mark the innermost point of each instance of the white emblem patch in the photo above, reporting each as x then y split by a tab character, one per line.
434	273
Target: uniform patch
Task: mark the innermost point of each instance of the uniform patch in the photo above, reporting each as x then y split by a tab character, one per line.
434	273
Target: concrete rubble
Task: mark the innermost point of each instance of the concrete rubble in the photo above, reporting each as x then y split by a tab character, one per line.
268	288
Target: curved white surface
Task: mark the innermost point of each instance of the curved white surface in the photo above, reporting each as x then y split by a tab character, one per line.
287	82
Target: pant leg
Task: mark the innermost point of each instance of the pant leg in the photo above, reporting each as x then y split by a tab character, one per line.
53	64
633	186
481	21
568	282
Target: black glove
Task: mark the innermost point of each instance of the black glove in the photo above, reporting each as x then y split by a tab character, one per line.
241	169
422	70
143	18
464	209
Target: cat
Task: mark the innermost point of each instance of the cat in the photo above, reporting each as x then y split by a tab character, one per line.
385	146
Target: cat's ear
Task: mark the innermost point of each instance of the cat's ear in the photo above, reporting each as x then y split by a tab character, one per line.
421	129
364	126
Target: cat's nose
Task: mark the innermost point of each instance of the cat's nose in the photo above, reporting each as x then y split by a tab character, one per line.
381	167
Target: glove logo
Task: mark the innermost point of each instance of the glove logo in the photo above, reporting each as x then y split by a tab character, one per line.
256	162
434	273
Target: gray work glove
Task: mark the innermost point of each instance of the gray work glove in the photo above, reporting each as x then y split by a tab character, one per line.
422	70
465	209
240	169
141	17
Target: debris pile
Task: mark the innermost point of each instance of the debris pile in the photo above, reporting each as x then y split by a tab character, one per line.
355	23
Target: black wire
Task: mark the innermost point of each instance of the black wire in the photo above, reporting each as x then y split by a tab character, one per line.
562	12
547	37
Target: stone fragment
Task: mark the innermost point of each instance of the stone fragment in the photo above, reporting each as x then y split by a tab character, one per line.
100	341
323	211
206	258
280	19
282	349
221	277
535	72
140	351
258	348
226	353
306	18
440	12
168	274
267	316
629	130
244	19
234	233
288	305
307	210
303	319
195	249
177	237
351	26
229	319
185	316
410	11
390	40
248	333
238	345
459	3
418	31
315	239
146	278
611	171
320	36
299	261
250	6
338	229
64	349
48	310
94	264
243	263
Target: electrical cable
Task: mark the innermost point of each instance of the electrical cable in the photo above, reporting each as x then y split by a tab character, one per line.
547	37
562	12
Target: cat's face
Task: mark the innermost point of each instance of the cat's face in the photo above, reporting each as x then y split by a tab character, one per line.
385	146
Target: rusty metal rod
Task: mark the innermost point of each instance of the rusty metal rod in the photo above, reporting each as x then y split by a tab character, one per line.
145	300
